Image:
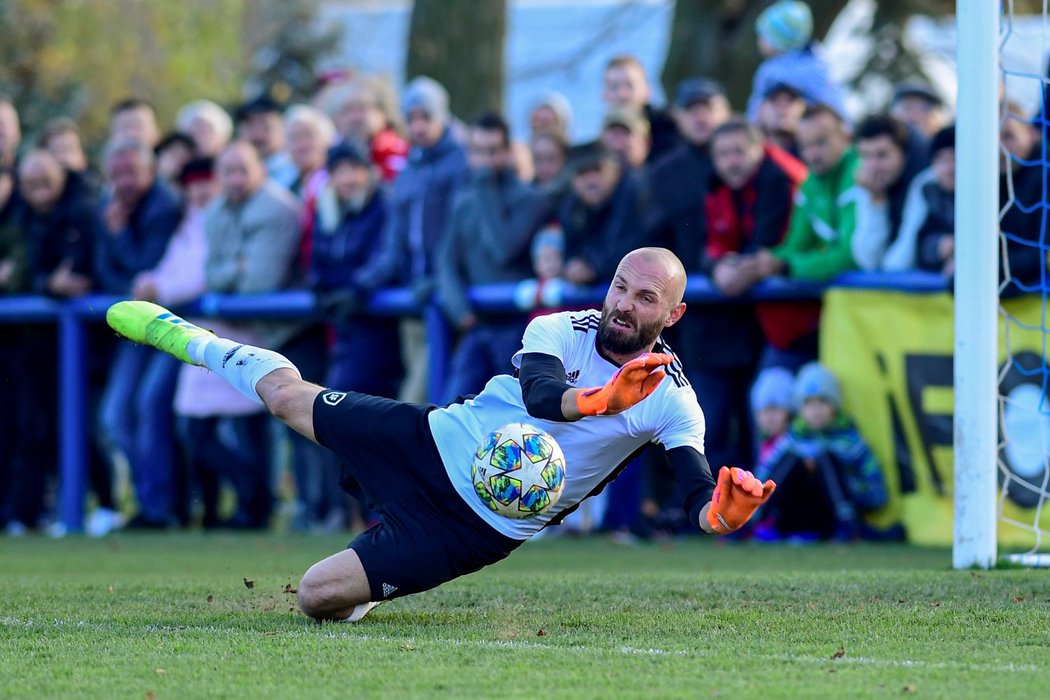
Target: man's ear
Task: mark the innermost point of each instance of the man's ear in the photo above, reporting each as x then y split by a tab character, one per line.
676	314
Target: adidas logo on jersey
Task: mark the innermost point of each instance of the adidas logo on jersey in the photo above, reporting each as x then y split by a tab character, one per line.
388	590
572	376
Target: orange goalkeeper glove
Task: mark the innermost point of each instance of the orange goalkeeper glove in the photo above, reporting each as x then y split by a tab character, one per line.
631	383
738	494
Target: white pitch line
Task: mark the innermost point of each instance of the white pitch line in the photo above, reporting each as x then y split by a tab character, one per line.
332	631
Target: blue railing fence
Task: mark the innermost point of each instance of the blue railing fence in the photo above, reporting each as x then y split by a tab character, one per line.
72	318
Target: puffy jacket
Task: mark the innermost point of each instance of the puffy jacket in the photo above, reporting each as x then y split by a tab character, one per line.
818	243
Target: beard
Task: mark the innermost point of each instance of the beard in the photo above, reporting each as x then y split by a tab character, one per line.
358	200
624	341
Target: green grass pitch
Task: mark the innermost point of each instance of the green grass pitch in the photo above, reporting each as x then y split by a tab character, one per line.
171	616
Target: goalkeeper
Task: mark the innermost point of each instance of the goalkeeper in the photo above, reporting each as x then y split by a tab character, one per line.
603	384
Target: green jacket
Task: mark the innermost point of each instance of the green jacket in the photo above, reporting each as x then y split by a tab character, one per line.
818	243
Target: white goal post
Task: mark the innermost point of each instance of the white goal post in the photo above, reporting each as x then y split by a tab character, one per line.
977	284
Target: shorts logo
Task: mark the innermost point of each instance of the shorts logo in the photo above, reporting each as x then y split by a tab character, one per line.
332	398
388	590
572	376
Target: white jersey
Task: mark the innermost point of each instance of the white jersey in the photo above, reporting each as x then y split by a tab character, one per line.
594	447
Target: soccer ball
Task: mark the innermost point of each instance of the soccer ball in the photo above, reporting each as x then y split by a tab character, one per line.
518	471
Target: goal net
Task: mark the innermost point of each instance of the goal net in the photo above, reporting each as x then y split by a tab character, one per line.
1023	408
1002	412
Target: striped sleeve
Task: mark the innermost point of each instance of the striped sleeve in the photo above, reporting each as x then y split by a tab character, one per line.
547	335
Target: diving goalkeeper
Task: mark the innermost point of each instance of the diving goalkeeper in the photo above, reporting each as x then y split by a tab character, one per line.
604	385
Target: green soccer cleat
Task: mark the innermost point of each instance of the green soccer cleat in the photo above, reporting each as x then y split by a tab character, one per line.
146	323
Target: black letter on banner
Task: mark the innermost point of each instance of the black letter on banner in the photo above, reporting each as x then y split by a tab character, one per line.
923	371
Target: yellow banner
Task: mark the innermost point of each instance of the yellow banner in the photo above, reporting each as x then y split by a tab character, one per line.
892	352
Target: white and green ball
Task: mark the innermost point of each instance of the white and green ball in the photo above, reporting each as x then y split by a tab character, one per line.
518	471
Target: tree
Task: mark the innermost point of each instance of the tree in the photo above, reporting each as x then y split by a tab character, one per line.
716	38
284	46
459	43
891	60
76	59
35	92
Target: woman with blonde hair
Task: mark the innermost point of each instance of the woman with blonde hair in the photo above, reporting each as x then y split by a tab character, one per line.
208	124
309	134
366	114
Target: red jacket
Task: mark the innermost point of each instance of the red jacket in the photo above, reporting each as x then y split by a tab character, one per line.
756	216
389	153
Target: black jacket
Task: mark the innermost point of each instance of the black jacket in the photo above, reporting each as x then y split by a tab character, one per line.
712	337
916	159
663	133
1023	224
604	234
677	184
940	222
65	233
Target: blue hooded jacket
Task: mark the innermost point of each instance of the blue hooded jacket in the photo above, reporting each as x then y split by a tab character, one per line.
420	207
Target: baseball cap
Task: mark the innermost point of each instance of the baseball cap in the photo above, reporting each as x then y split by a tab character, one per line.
345	152
696	90
587	155
263	104
630	119
782	86
917	88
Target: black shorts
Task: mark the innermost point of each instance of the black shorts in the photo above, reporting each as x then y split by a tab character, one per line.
427	534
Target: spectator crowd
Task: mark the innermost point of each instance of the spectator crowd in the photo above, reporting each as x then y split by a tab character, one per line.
358	190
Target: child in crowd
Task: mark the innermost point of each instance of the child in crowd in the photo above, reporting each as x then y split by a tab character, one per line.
827	475
771	408
785	38
548	260
548	253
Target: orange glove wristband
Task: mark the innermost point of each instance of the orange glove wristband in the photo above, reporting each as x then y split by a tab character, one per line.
593	402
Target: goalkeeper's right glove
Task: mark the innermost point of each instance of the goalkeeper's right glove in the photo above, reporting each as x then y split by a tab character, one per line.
629	385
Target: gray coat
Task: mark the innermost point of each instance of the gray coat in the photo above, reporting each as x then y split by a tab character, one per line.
253	248
488	239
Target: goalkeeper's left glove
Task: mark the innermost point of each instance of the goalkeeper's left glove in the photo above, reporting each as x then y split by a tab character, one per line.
738	494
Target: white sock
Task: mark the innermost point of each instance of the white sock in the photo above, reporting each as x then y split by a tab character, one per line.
239	364
360	611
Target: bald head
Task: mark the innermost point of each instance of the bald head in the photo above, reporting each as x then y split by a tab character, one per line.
241	171
41	180
242	151
645	297
661	264
38	160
